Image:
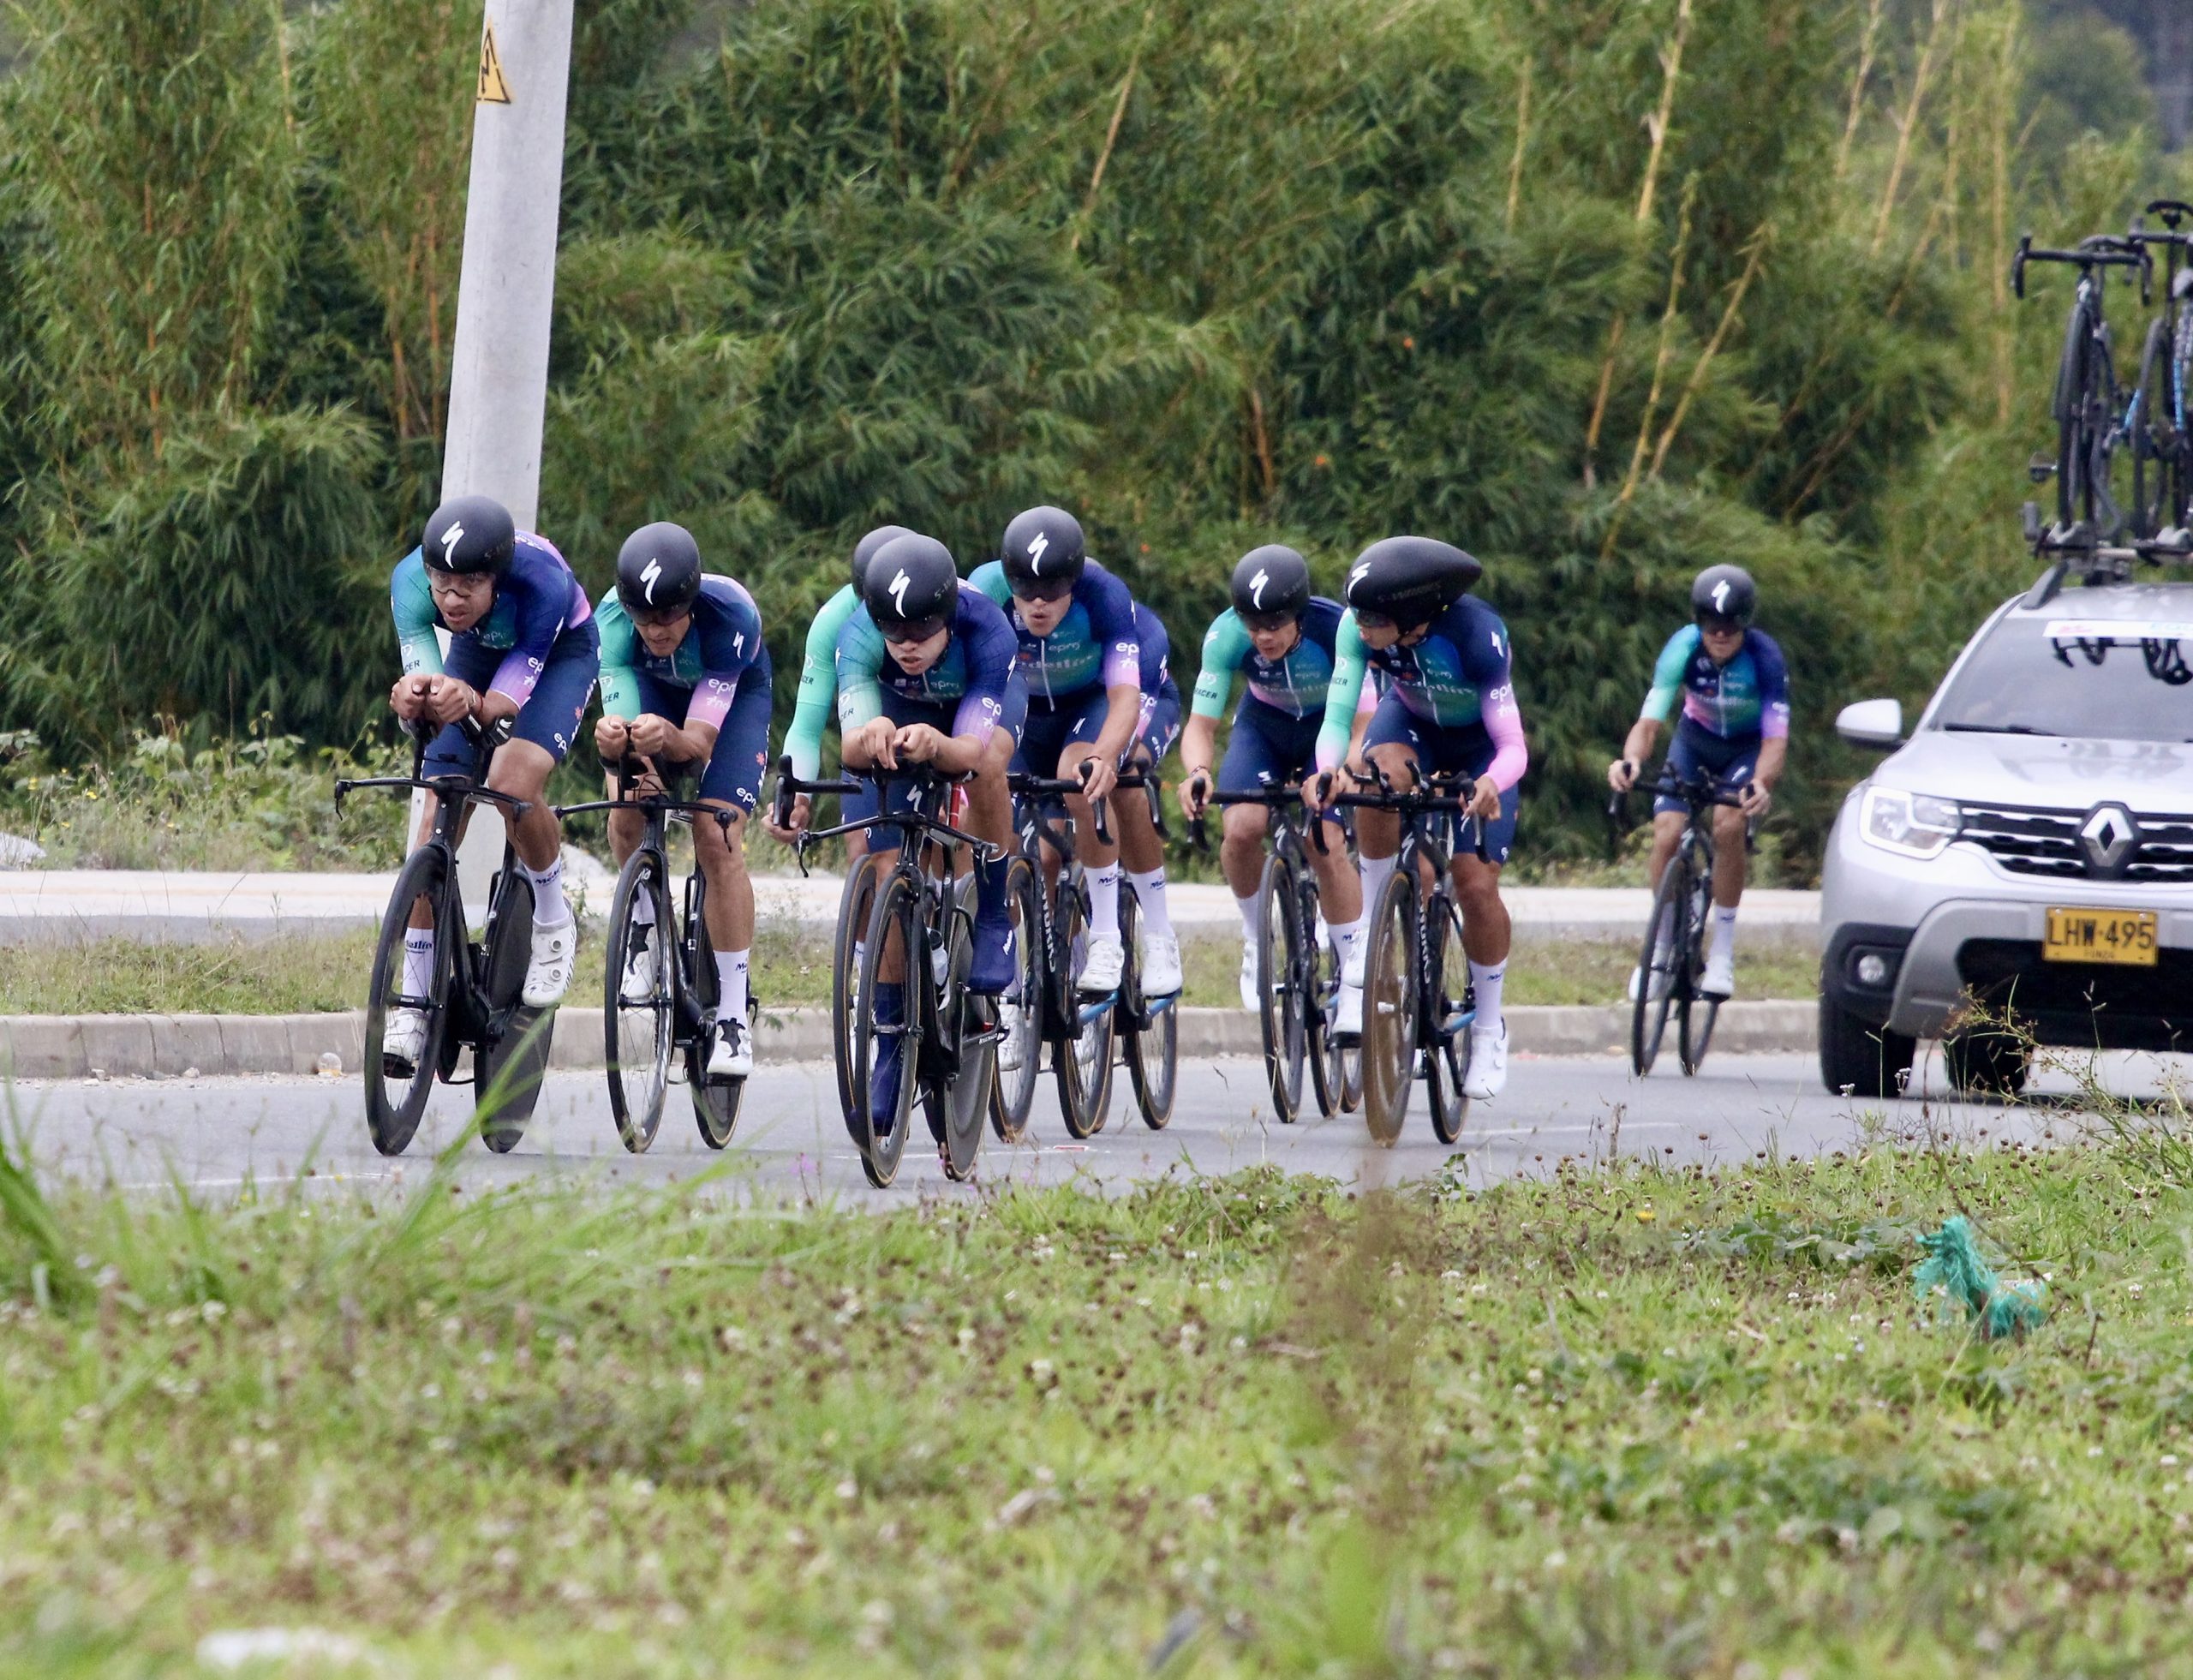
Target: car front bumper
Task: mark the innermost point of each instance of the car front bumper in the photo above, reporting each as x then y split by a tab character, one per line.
1958	926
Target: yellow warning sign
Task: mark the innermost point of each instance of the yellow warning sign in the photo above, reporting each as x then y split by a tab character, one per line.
494	90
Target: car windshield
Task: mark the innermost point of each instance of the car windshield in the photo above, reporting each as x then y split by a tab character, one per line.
2120	679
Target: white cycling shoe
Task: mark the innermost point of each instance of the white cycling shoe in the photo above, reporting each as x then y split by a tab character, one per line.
1347	1017
1488	1074
402	1042
1101	969
548	975
1012	1021
1719	980
1161	965
732	1055
1251	1000
1660	980
638	983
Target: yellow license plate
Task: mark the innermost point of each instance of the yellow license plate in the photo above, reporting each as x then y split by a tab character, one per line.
2100	936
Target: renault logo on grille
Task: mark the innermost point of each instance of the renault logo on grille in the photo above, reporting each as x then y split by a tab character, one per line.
2108	837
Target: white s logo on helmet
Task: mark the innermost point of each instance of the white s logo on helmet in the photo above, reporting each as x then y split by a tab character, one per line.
654	571
1257	588
1036	550
897	590
1357	577
1721	596
450	538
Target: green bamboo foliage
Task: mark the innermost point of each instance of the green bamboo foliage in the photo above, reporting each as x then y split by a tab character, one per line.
156	141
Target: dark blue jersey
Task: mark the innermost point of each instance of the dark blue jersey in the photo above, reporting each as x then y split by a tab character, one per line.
536	601
1093	645
724	638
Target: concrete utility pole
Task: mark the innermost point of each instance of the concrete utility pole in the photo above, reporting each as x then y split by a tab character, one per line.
498	381
506	293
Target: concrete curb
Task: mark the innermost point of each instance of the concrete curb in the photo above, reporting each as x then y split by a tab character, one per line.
75	1047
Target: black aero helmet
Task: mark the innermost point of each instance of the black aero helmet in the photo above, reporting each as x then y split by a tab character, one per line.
911	587
1043	552
1410	579
1725	592
1272	582
469	534
864	550
659	569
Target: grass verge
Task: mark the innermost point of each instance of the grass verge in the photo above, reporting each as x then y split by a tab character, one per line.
295	975
1630	1421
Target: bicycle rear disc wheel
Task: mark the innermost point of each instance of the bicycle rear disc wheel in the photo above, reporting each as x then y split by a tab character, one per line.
396	1097
2152	443
1447	1069
716	1102
510	1065
1280	1000
639	1034
962	1020
1082	1053
883	1136
1153	1042
856	903
1013	1091
1390	1010
1657	966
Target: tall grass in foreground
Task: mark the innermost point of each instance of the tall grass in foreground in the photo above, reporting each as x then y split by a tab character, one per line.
1628	1420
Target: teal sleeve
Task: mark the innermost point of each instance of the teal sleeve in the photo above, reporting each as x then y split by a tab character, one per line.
990	577
818	685
620	677
1224	645
1667	675
860	656
1340	697
413	603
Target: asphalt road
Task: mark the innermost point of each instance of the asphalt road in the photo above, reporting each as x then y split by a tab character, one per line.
217	1135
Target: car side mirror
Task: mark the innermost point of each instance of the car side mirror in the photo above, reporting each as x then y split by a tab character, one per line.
1872	723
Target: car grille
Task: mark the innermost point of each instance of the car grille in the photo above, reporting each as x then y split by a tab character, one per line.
2031	841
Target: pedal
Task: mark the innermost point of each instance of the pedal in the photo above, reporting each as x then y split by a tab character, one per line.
2041	469
2174	540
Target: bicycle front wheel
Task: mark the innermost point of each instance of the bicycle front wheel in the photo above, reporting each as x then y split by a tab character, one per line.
716	1102
512	1059
1389	1008
1153	1039
963	1022
1658	969
1012	1090
1695	1026
639	1019
397	1089
893	936
1082	1053
1447	1068
855	904
1280	972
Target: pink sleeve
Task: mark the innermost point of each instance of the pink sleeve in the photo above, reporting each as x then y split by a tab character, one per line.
1504	723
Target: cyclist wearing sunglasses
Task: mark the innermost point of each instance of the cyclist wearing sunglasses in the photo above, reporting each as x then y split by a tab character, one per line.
1450	708
1281	637
1081	656
1735	727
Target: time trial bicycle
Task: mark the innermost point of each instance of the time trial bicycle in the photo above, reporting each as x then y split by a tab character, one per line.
1674	957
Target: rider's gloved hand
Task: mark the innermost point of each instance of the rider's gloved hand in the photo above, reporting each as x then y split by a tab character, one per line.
1098	777
1195	795
1755	800
1621	774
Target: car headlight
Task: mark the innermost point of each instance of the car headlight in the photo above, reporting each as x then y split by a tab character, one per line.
1912	825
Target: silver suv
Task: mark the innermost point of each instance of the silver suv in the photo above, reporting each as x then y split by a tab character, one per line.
2020	869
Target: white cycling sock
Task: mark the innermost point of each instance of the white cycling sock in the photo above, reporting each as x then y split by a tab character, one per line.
549	909
1486	979
1104	899
1344	936
731	983
1248	908
1375	871
1724	932
418	961
1149	893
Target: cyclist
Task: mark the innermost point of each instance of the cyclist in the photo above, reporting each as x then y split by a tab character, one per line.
685	680
1735	727
818	689
522	645
1082	661
1449	706
1281	635
925	676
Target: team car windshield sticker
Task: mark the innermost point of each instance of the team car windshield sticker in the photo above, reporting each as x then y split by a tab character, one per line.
2123	632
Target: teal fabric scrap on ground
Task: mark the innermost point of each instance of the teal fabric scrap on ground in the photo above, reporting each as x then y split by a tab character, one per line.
2002	1307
